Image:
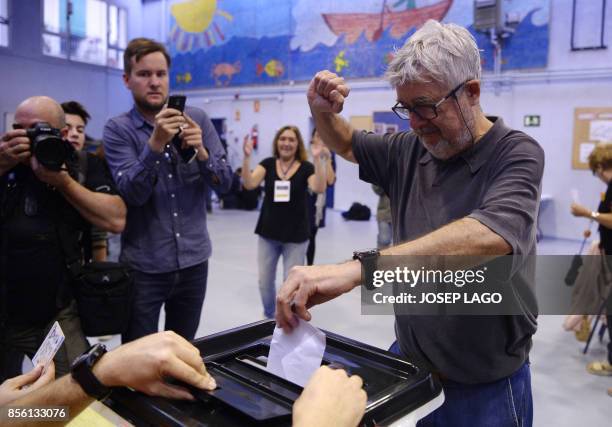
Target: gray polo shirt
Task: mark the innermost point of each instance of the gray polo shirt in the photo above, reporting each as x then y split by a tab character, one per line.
498	183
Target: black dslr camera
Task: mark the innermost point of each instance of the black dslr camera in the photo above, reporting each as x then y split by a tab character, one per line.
48	147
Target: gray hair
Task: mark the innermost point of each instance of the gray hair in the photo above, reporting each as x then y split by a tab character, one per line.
444	53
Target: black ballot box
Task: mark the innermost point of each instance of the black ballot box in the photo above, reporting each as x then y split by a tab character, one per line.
248	395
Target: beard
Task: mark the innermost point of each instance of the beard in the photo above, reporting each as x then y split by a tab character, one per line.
145	105
444	149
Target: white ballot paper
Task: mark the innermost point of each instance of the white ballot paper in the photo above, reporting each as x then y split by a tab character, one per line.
297	355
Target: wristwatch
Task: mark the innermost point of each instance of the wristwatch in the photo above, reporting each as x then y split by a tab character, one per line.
366	255
81	371
368	259
594	215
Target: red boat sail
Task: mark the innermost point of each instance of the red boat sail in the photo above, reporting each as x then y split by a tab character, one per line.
373	24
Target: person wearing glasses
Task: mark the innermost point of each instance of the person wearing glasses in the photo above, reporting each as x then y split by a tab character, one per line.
460	183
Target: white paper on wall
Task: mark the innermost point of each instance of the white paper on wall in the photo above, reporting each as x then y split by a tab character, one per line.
586	148
601	130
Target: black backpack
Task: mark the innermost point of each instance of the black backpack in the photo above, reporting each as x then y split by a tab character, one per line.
357	212
103	290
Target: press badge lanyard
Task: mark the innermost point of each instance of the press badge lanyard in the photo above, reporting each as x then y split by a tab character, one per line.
282	188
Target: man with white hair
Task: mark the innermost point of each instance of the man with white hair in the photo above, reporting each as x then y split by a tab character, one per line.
460	183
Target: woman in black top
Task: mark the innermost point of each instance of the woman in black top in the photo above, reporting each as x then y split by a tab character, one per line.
600	162
283	224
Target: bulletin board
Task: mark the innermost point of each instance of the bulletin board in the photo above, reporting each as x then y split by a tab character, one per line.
591	126
388	122
361	122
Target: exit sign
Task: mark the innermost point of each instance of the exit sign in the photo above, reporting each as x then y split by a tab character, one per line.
531	121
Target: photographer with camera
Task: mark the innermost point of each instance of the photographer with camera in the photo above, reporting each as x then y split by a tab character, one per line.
44	211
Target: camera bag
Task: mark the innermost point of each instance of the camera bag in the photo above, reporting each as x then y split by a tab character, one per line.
103	290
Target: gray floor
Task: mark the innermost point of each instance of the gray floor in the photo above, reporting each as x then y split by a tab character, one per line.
564	394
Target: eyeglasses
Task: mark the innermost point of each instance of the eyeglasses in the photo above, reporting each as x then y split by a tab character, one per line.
423	111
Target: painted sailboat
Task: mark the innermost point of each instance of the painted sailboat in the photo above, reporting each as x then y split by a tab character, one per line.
373	24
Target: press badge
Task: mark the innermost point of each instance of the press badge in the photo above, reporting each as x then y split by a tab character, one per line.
281	190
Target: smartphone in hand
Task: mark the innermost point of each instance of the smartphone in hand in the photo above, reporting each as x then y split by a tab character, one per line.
187	154
177	102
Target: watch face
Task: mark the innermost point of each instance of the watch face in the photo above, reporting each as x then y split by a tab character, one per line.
369	253
91	356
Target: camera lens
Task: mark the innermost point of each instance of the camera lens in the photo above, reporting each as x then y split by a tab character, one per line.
50	152
47	146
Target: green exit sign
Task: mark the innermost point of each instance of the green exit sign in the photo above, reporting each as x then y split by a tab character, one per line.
531	121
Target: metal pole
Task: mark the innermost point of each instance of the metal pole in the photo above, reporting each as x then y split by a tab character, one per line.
603	23
69	12
573	24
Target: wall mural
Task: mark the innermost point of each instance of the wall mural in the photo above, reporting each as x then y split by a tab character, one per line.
218	43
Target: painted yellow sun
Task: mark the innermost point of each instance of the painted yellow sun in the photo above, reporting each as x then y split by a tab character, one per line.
195	25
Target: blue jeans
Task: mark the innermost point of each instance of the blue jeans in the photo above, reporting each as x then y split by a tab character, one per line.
268	252
181	291
502	403
383	239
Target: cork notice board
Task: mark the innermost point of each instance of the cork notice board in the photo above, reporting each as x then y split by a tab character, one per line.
591	126
361	122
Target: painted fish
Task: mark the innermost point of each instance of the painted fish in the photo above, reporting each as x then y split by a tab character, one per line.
186	78
340	62
273	68
225	70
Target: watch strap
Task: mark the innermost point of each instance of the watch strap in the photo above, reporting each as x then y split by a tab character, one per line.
82	373
366	254
368	259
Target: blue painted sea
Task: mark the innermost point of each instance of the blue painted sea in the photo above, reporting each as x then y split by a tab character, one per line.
527	48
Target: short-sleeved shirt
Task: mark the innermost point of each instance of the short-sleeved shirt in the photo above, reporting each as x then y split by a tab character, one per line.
100	180
286	222
32	214
166	198
496	182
